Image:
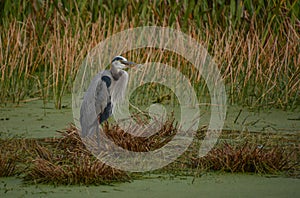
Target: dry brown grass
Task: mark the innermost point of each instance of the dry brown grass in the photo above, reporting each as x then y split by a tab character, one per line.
79	170
247	152
7	165
251	158
56	160
140	144
65	160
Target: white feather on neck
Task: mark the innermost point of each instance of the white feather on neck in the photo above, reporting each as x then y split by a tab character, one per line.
119	90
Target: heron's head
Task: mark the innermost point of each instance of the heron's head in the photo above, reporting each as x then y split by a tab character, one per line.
119	63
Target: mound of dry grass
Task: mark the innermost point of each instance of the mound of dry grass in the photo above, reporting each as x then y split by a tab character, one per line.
66	160
249	157
7	165
137	143
79	170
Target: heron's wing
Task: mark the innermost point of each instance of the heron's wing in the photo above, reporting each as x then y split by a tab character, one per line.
103	99
94	103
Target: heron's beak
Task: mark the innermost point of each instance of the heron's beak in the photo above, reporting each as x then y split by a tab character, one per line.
128	63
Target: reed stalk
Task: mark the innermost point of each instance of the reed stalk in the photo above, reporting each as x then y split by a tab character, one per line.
256	45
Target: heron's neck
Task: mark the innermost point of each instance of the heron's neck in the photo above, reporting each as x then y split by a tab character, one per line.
116	73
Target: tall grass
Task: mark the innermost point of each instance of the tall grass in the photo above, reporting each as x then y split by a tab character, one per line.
255	43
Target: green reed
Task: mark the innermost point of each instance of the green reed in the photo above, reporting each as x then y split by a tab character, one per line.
254	43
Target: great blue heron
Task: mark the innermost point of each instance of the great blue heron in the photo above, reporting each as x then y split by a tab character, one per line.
105	91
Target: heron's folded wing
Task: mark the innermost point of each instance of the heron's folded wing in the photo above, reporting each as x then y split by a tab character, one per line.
102	97
94	102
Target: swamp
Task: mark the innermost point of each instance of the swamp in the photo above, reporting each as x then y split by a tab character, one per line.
46	46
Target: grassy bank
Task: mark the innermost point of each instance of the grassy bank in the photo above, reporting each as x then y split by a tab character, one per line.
255	44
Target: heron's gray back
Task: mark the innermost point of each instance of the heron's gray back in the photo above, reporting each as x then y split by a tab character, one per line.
94	103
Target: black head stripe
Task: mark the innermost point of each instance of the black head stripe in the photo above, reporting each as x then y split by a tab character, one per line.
107	80
117	58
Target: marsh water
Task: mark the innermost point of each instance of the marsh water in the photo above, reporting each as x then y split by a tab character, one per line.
36	119
210	185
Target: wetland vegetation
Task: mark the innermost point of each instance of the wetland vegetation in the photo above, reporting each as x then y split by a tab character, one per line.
66	160
254	43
